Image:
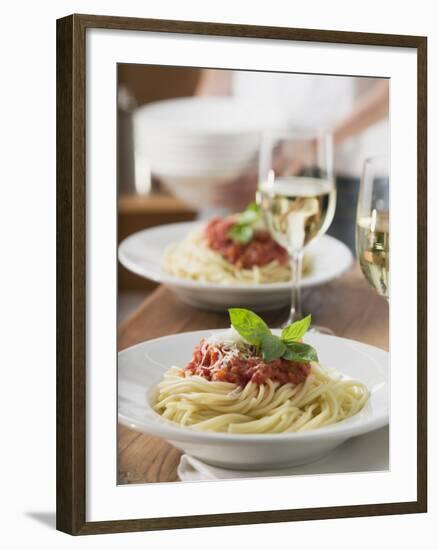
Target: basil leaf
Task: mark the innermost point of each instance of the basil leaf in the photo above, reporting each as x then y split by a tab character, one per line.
253	207
243	230
241	233
249	325
296	330
272	347
298	351
247	217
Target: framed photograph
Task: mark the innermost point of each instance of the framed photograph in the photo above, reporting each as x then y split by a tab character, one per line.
231	348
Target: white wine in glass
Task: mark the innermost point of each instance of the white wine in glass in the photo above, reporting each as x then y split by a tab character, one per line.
372	227
297	195
297	209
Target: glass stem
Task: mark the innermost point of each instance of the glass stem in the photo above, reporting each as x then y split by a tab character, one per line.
296	265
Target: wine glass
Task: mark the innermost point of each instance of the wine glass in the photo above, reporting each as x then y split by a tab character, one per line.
372	224
297	194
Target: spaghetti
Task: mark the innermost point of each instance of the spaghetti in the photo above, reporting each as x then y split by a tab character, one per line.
193	259
227	387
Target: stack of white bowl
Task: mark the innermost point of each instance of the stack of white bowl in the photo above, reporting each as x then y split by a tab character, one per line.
195	144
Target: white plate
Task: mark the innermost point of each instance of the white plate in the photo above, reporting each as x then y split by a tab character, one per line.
141	368
365	453
141	253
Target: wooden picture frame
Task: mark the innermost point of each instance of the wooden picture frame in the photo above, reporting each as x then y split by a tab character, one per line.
71	271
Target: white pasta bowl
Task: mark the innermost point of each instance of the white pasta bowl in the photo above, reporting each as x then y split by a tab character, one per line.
195	136
141	368
142	253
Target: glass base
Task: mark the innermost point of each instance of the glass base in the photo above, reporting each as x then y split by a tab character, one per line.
317	329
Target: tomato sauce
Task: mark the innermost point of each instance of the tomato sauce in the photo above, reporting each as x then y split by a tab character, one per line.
260	251
217	363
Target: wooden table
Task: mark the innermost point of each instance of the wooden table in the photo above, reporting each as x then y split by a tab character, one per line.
348	305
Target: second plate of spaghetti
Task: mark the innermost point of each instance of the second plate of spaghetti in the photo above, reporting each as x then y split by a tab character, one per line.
177	255
253	400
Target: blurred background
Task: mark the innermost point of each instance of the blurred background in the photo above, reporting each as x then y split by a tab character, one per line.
188	143
142	201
